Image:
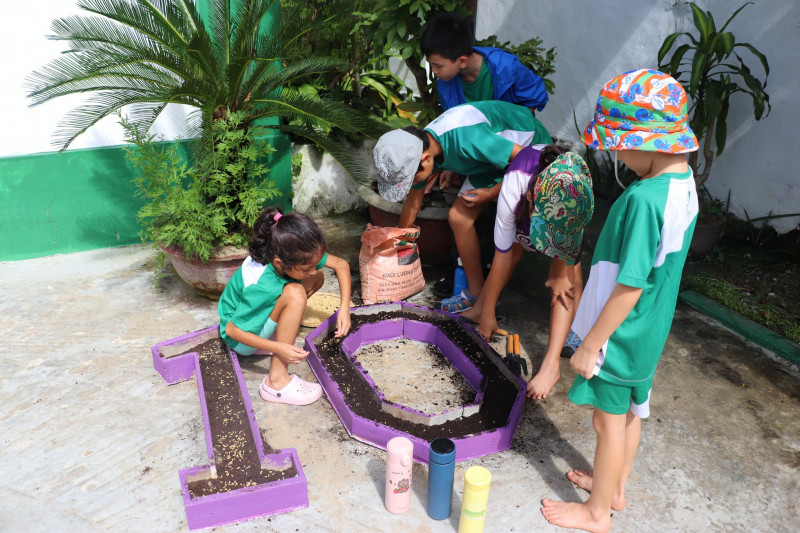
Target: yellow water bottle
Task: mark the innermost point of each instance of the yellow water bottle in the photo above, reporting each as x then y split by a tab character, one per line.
473	504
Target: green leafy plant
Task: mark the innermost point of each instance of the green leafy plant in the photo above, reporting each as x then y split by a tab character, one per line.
396	27
366	84
201	206
712	71
147	54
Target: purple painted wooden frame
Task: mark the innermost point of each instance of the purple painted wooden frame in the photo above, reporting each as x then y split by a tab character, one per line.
377	434
422	332
242	504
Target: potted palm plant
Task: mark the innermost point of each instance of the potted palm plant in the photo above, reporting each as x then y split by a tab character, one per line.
142	56
711	71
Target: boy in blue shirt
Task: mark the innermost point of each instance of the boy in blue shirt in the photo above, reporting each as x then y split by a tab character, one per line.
469	74
627	306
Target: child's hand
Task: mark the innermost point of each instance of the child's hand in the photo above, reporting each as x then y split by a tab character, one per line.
476	197
487	328
290	354
448	178
583	361
342	322
561	290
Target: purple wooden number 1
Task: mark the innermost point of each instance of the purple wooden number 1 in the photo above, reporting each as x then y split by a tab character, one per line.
175	361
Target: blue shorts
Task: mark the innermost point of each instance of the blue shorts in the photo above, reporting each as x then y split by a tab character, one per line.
266	332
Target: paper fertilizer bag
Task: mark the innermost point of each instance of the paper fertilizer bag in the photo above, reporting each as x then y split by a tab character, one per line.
389	264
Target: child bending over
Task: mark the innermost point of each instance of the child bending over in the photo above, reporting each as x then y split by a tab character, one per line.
624	316
476	140
470	74
543	213
263	303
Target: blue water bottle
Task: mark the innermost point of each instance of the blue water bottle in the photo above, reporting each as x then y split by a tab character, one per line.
441	469
460	279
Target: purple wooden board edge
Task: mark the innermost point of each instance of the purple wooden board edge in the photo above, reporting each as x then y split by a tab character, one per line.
242	504
378	435
247	503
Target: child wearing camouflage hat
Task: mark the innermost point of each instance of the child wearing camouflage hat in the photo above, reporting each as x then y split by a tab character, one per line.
476	140
626	310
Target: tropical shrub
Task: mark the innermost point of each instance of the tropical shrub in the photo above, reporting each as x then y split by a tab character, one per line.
711	71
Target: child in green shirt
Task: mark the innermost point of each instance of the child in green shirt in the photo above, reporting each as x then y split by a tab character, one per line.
626	309
476	140
262	305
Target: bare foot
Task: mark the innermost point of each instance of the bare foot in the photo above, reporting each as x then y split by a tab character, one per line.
574	515
583	479
473	313
539	386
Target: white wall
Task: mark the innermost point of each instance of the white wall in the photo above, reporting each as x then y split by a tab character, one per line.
595	41
25	130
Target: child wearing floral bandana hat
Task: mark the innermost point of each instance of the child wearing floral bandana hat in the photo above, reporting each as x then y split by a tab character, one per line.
545	203
626	309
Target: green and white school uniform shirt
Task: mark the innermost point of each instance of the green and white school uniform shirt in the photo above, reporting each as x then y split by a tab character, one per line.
643	244
251	295
477	138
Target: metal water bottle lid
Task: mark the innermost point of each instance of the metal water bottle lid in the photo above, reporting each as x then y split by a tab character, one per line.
477	479
443	451
403	448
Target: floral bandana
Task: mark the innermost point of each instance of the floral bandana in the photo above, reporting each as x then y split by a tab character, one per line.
562	206
641	110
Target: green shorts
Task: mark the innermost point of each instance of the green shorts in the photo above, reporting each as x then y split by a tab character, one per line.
266	332
610	397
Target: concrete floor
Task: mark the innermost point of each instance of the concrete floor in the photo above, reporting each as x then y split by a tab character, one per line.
92	437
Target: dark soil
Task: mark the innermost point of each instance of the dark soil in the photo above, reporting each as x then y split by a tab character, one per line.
236	456
758	281
498	399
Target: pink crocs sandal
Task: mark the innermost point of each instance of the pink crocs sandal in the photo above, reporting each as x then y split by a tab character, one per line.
296	392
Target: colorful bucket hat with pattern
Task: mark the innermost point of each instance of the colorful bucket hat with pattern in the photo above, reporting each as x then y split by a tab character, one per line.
641	110
563	204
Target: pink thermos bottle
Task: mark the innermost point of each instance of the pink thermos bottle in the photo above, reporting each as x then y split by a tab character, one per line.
399	460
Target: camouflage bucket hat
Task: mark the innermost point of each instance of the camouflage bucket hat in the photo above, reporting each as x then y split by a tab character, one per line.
397	156
641	110
563	204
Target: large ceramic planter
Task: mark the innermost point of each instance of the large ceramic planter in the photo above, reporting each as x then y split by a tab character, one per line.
435	237
208	279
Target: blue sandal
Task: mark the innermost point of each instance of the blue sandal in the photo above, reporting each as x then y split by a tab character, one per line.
458	303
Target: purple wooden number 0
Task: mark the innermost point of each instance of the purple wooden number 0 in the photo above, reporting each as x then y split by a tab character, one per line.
234	505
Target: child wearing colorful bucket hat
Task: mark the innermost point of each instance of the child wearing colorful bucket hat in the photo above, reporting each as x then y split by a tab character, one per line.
545	203
476	140
626	310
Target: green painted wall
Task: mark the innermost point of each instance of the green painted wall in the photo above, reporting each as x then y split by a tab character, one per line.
79	200
63	202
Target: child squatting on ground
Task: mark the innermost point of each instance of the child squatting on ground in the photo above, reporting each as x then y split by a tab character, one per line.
262	305
544	204
626	310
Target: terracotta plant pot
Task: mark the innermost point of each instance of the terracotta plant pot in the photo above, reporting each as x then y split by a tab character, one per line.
435	237
706	236
208	279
